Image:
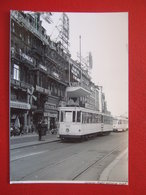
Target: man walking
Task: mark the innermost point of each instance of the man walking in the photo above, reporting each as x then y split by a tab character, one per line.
40	130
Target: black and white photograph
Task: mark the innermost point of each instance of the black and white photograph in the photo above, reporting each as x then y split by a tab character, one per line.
68	97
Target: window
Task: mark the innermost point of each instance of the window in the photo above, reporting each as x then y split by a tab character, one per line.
55	89
102	119
16	72
78	116
62	116
68	116
120	122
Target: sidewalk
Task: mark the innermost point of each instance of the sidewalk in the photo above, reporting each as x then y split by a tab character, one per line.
117	171
31	140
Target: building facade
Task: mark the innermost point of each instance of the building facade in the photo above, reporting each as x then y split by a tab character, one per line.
38	76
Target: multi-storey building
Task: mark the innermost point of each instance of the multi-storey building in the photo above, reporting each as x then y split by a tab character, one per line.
38	72
81	90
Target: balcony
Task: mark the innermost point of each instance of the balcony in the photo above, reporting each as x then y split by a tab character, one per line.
77	89
22	57
15	82
20	84
37	50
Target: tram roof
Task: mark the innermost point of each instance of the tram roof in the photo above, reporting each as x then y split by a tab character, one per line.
72	108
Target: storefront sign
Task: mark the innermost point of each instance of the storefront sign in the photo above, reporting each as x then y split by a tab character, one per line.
43	67
75	73
56	75
19	105
48	106
26	57
89	106
48	114
43	90
25	85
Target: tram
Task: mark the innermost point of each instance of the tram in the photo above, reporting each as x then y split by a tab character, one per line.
120	124
82	123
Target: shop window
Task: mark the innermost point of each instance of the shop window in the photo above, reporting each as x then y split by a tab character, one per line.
16	72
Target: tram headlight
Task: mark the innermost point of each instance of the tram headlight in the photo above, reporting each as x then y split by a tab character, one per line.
67	130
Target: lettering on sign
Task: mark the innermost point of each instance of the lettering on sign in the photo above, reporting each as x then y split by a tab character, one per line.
43	67
43	90
26	57
89	106
56	75
48	106
19	105
50	114
75	72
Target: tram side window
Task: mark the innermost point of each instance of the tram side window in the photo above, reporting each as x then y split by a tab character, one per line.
78	116
102	119
62	116
119	122
83	117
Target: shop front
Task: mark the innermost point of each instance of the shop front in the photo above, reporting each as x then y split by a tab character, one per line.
50	115
19	115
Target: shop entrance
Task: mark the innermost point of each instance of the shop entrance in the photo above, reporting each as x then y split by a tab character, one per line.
52	123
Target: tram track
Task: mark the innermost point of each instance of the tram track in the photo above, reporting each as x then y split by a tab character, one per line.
67	161
99	161
76	176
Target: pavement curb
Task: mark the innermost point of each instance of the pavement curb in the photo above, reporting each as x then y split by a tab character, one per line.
17	146
105	174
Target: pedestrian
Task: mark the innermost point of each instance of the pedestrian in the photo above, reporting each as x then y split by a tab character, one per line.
21	129
51	128
40	130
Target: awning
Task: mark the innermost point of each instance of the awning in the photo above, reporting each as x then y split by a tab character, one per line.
77	91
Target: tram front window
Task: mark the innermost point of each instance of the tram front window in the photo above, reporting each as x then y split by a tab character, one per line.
68	116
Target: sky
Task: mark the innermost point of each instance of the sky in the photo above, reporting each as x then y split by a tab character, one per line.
105	35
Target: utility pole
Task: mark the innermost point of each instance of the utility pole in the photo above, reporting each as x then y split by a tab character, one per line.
80	56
